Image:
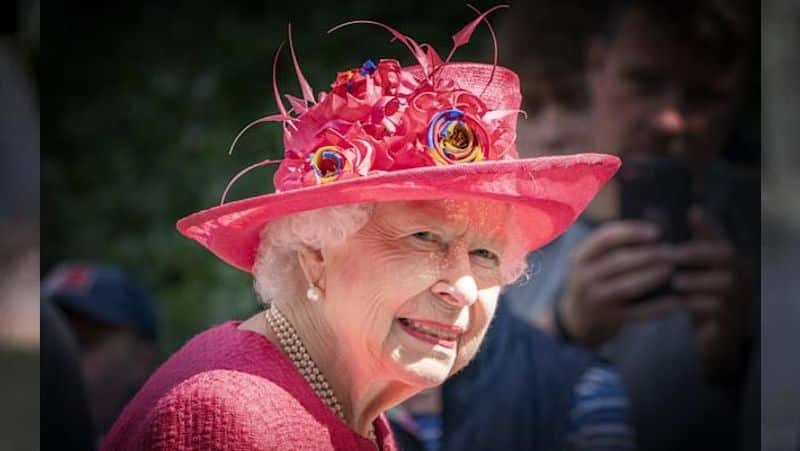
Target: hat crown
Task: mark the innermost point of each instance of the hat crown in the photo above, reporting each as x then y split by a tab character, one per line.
503	93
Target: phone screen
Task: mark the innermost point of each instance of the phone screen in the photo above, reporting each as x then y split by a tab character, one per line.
658	190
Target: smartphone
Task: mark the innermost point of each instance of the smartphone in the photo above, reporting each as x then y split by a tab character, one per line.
658	190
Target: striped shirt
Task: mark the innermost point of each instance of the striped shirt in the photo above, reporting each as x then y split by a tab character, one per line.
598	420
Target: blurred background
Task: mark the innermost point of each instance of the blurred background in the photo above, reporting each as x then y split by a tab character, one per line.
780	367
141	104
19	226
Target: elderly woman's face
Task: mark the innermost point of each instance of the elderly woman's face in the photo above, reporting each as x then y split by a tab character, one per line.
411	294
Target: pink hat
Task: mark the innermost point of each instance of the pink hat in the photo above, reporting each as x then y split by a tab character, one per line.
438	130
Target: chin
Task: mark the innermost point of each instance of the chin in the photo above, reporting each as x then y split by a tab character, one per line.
426	373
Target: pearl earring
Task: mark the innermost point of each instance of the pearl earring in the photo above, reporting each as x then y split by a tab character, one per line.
314	294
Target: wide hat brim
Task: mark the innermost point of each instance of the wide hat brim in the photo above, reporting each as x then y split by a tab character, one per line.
548	192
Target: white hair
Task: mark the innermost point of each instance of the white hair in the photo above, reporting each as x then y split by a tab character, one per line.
514	263
276	263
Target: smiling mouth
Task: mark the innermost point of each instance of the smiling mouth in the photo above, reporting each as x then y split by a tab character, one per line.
429	333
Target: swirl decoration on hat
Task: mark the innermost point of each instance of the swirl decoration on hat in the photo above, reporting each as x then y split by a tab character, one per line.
328	163
454	137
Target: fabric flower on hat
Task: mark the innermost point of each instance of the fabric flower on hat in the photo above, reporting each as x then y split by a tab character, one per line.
334	156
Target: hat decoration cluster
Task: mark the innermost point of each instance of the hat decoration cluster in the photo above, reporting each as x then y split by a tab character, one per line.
382	117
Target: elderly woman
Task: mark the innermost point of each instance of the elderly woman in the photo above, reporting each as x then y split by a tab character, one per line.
400	211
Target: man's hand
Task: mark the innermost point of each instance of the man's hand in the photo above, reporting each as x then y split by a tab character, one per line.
618	264
716	288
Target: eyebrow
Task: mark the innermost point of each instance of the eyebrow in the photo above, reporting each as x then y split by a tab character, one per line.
496	240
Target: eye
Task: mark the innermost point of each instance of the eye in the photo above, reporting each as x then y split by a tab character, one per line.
702	98
642	81
426	236
486	256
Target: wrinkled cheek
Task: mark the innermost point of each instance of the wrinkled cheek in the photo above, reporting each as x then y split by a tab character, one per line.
467	349
389	273
428	270
470	345
412	270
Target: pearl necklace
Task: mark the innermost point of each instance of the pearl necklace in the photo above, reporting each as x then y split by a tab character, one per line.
291	344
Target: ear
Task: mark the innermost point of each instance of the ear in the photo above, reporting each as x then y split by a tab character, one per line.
312	262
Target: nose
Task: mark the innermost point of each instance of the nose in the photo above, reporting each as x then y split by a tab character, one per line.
671	117
671	120
462	292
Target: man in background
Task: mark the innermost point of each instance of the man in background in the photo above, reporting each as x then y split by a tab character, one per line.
665	79
114	321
